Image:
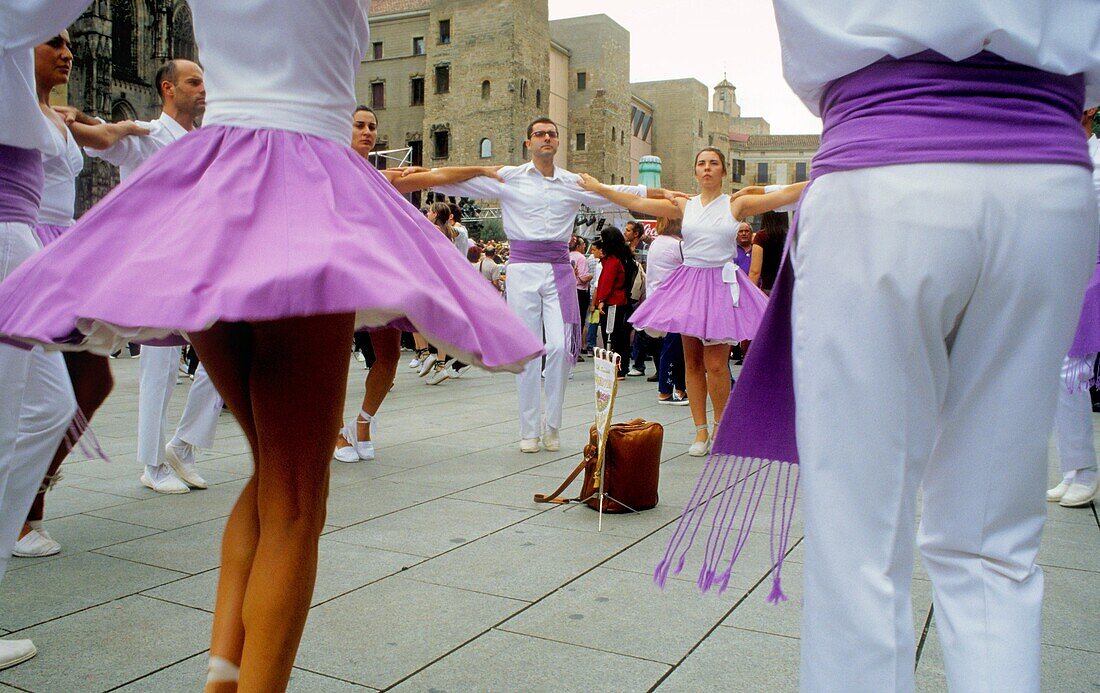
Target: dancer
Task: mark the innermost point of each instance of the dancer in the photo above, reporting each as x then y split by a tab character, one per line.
708	300
917	358
36	398
539	202
1073	429
274	241
166	468
89	374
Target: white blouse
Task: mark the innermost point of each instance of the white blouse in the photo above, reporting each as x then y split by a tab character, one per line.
823	40
59	192
282	64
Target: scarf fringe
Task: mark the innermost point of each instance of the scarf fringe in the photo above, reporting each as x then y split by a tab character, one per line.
80	434
735	486
1078	373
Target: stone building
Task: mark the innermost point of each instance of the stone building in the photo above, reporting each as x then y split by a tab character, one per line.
680	126
118	45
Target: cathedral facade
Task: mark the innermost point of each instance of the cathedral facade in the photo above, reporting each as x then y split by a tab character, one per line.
118	45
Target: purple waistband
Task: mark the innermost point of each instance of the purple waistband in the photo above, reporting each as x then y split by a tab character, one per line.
553	252
928	109
21	183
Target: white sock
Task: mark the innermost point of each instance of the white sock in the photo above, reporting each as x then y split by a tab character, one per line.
34	524
221	670
1085	476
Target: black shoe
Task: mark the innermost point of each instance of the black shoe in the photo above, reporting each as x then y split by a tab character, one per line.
652	379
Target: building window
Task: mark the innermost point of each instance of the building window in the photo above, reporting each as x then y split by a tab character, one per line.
636	117
614	134
441	144
486	90
737	170
762	172
121	111
581	144
523	90
416	88
442	79
538	98
377	95
418	45
622	136
122	37
700	128
800	172
376	50
486	148
445	31
647	124
183	34
582	81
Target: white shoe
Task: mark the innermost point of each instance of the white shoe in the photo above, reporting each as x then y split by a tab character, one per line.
182	462
551	441
700	448
635	373
165	481
1055	494
440	372
529	445
34	545
457	372
429	361
14	652
1078	495
415	363
358	356
355	450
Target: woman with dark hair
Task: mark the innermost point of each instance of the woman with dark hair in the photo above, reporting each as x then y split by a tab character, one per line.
613	293
771	238
707	300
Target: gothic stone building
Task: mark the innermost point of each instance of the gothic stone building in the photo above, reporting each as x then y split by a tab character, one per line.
117	47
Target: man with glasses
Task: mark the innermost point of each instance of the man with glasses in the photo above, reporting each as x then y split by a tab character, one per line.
540	202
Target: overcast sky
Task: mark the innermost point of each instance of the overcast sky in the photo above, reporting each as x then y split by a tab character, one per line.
704	39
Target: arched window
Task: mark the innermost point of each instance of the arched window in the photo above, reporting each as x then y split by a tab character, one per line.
121	110
486	89
523	90
122	36
183	34
486	148
538	98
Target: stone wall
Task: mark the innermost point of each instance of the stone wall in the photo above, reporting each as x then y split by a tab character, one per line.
679	127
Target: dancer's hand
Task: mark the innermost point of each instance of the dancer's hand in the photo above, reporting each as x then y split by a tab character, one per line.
409	170
673	195
589	183
74	115
492	172
748	190
129	128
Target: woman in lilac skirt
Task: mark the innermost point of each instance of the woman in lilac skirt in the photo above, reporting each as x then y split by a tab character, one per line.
708	300
268	241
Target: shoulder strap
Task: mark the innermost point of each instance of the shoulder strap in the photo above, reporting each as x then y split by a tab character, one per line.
555	497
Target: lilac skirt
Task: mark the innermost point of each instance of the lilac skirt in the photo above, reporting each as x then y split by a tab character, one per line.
242	225
48	233
694	301
1087	339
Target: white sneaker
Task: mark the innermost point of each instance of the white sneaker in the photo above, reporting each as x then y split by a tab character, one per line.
700	448
440	372
457	372
34	545
14	652
1055	494
182	462
529	445
429	361
551	440
346	453
635	373
415	363
164	481
1078	495
358	356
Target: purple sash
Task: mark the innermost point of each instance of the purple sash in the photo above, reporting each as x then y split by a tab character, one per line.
920	109
21	183
555	253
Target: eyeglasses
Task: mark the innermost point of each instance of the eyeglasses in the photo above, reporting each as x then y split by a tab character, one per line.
549	134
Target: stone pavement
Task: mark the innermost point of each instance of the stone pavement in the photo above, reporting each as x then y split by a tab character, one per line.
438	572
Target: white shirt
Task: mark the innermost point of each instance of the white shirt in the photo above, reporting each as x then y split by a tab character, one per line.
132	151
710	232
23	25
823	40
282	64
462	239
536	207
664	256
59	192
1094	154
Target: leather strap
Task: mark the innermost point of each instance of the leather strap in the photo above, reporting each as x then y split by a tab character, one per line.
555	497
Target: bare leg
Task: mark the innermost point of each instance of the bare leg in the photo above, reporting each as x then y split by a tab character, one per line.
92	382
387	354
695	378
226	349
297	384
716	360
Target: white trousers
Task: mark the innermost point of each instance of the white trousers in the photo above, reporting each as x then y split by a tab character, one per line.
200	414
533	296
157	379
36	406
1073	432
925	348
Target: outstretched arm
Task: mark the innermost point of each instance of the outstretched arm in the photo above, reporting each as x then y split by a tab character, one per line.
28	23
437	177
105	135
661	207
749	205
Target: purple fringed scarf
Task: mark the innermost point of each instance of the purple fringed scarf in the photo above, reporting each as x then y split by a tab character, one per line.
920	109
555	253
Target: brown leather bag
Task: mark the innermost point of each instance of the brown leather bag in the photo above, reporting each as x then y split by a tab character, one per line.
632	468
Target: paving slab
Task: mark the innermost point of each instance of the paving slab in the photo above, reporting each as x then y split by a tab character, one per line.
192	549
80	533
738	660
188	676
171	511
